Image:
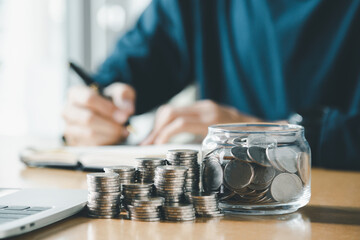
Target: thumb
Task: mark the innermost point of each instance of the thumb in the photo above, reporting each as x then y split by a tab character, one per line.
123	97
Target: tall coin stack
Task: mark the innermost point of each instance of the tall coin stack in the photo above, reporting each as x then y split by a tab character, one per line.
205	204
146	168
104	195
133	191
148	210
126	173
169	182
189	159
179	212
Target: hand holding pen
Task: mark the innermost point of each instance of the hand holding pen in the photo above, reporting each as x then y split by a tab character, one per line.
95	115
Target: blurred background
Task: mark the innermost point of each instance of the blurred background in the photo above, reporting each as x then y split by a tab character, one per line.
37	38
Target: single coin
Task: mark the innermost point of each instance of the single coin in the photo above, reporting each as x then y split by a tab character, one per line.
120	168
286	187
240	152
238	174
304	167
239	140
183	152
215	150
212	174
102	176
263	175
258	156
270	154
286	158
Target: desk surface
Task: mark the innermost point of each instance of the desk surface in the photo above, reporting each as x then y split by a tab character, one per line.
333	212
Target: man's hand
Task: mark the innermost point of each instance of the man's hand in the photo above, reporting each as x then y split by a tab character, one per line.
94	120
195	119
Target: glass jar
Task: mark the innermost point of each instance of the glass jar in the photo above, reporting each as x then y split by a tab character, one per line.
257	169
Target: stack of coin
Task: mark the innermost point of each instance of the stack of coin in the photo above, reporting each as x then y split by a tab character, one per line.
206	204
146	168
187	158
133	191
179	212
104	195
169	182
148	210
126	173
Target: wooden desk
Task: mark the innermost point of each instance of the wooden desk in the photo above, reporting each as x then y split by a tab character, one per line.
333	212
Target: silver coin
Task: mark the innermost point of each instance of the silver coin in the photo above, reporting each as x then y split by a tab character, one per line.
138	185
171	168
238	174
286	187
263	175
239	140
258	155
119	169
270	154
183	152
212	174
240	152
304	167
286	158
102	175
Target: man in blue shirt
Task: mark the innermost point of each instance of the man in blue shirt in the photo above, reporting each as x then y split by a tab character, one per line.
265	59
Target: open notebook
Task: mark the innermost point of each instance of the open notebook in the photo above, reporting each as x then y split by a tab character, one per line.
95	158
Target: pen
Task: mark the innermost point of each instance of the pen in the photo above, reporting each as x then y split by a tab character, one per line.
87	79
92	84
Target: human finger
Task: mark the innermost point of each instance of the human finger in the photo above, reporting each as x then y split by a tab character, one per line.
180	125
123	96
88	98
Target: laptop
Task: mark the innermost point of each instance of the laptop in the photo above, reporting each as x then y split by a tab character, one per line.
25	210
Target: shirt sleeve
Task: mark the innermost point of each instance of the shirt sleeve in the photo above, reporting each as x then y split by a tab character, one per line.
154	56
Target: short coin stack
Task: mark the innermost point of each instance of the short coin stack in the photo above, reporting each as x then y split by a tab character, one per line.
148	210
126	173
179	212
146	168
169	182
104	195
189	159
133	191
205	204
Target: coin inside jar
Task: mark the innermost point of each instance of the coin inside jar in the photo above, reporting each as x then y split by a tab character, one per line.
240	152
258	155
285	157
303	165
263	175
238	174
212	174
285	187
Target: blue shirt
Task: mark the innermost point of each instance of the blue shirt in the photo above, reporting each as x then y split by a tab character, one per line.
266	58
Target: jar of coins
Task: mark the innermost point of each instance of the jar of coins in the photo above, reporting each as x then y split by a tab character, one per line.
257	169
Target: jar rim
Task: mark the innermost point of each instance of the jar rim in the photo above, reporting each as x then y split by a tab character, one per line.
246	128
